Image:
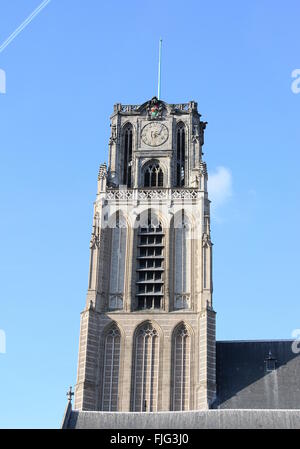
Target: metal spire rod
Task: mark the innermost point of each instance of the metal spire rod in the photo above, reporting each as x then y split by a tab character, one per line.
159	68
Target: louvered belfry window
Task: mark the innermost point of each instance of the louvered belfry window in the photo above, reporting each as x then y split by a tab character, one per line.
180	153
127	152
145	373
150	266
181	368
111	365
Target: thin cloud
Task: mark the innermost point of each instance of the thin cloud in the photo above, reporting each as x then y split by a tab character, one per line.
220	186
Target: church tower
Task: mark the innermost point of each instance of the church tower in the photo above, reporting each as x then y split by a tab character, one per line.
147	335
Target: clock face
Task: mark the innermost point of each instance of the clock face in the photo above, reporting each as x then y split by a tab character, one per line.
155	134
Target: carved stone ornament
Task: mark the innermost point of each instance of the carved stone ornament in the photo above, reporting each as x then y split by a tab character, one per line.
154	109
195	133
95	238
206	240
102	171
152	194
202	126
94	241
203	168
113	136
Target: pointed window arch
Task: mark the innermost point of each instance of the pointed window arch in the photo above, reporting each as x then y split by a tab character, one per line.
111	367
117	262
180	155
146	369
153	175
181	343
127	154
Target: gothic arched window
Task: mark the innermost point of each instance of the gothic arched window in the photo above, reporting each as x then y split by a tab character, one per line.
180	155
153	175
144	395
182	262
181	369
117	262
111	365
150	264
127	155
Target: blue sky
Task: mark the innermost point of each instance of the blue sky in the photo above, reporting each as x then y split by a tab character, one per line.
64	72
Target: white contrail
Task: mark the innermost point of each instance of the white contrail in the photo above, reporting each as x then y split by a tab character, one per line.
24	24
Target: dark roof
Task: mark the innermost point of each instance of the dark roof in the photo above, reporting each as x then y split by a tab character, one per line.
242	380
242	383
201	419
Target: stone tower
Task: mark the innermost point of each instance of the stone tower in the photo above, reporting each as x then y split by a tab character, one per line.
147	336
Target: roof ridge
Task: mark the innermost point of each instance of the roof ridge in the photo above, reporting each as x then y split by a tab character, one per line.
256	341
